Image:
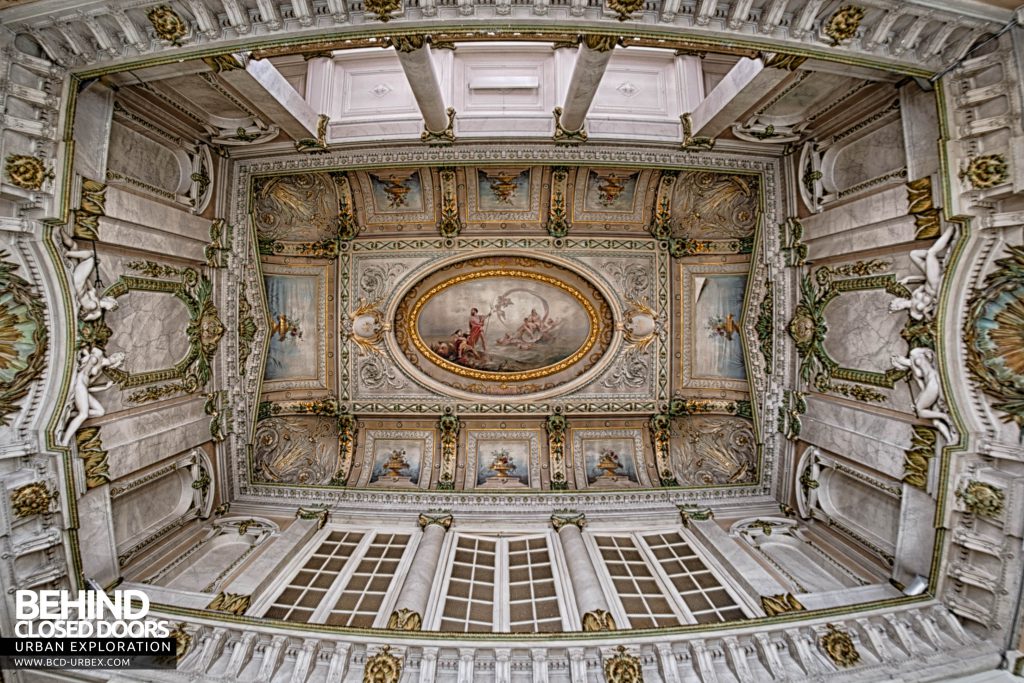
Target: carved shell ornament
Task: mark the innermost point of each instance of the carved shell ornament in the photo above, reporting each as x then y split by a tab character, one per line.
26	172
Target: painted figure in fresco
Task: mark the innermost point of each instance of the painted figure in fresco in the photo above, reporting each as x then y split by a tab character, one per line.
921	363
922	301
476	329
90	305
534	329
91	364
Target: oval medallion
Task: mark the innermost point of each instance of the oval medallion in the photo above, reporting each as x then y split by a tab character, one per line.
503	325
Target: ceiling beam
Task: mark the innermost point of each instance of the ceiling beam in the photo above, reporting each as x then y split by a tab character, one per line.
591	62
746	84
414	56
268	91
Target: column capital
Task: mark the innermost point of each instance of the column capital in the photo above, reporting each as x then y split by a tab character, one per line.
442	519
568	518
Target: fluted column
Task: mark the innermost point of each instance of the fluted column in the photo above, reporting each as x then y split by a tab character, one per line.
590	600
412	601
591	63
414	56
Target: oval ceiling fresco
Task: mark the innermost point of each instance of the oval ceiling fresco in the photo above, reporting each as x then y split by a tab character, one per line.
503	325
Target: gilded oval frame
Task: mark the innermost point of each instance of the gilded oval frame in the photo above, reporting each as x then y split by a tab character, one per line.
411	326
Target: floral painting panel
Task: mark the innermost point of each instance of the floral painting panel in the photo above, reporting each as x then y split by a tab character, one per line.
610	191
396	462
502	464
293	303
717	346
503	189
610	462
397	192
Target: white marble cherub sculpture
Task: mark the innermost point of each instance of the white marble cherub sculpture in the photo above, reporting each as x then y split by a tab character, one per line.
90	304
92	362
921	303
921	363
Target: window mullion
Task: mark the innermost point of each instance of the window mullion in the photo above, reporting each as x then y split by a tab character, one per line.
501	594
563	584
445	567
287	574
743	600
334	592
664	582
398	582
611	593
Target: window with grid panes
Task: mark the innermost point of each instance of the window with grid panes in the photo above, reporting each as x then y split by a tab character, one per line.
698	587
307	590
469	601
364	593
532	596
638	590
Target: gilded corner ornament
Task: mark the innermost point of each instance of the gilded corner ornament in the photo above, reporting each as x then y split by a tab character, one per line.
917	457
31	499
844	23
783	603
319	514
985	171
600	42
408	43
981	499
405	620
232	603
927	217
26	172
623	667
90	449
167	24
698	513
598	620
382	667
839	647
182	640
691	142
567	137
782	60
318	144
221	63
441	137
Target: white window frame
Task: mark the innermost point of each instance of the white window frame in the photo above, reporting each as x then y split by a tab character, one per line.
501	615
291	569
661	577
